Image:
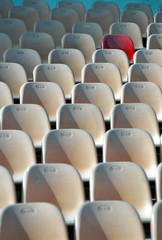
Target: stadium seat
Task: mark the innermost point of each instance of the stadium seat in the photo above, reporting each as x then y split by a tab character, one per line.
5	44
5	5
154	28
148	56
158	182
156	220
154	41
5	95
158	17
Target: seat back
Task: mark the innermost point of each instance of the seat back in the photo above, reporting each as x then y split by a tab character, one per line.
156	220
154	28
158	17
6	43
148	56
5	95
154	41
158	182
5	5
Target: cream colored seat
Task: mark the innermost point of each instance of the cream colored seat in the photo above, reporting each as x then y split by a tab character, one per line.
158	182
115	56
148	56
136	115
57	73
108	220
154	41
34	221
84	116
16	152
156	220
99	94
71	146
124	181
5	5
74	58
5	95
31	118
158	17
59	184
49	95
154	28
5	44
131	145
103	72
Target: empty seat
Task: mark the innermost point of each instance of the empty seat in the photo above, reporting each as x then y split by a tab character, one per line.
41	42
26	13
122	181
68	16
83	116
70	146
57	73
74	58
7	188
53	27
28	58
82	41
158	182
131	145
5	5
158	17
154	41
140	72
5	95
14	75
136	115
108	220
148	56
34	221
115	56
107	73
5	44
16	152
156	220
154	28
99	94
31	118
91	28
47	94
59	184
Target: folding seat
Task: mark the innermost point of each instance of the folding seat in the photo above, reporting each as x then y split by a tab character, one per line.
41	42
158	17
58	184
14	75
124	145
16	152
5	5
47	94
68	16
156	220
128	28
136	115
115	56
143	92
28	58
82	41
26	13
5	95
154	28
141	7
111	6
101	16
74	58
108	220
107	73
154	41
57	73
71	146
78	6
91	28
122	181
84	116
53	27
13	27
158	182
148	56
7	188
99	94
41	6
34	221
119	41
6	43
31	118
140	72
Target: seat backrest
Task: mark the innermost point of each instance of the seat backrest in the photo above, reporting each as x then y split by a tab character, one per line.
6	43
70	146
133	115
47	94
122	181
53	27
68	16
158	17
116	56
31	118
28	58
154	28
154	41
74	58
156	220
158	182
16	152
108	220
99	94
59	184
5	5
148	56
20	221
91	28
57	73
5	95
82	41
103	72
73	116
134	145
